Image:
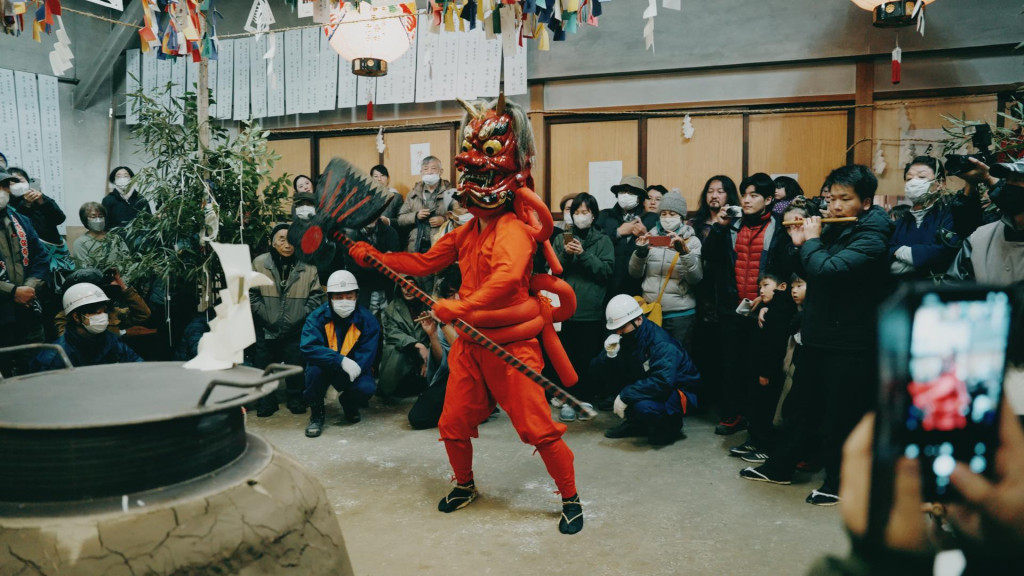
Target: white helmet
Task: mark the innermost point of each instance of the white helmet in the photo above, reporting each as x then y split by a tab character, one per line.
621	309
82	294
341	281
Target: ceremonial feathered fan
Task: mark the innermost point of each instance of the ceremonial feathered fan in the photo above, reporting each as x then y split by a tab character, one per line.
346	199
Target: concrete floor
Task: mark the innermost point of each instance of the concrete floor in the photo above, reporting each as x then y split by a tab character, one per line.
680	509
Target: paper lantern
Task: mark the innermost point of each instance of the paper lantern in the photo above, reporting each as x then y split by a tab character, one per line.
891	13
372	34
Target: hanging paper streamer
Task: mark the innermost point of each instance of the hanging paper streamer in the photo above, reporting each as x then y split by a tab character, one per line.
879	164
687	127
649	14
260	18
919	14
897	65
61	56
380	140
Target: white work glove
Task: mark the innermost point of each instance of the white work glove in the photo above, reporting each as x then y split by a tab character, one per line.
899	267
612	345
905	255
620	407
351	368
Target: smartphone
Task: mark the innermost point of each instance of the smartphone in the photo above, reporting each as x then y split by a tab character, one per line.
942	358
660	241
566	238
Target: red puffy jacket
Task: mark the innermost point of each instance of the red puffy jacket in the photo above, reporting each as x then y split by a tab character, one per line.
749	246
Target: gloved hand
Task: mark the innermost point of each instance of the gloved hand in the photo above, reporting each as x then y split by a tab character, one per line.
619	407
612	345
900	267
361	252
351	368
447	309
905	255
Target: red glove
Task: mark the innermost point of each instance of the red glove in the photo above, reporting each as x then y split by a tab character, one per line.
361	252
448	309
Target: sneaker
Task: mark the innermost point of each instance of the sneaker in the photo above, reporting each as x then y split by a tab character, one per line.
316	421
458	498
626	429
583	415
759	474
755	457
819	498
556	403
567	414
665	439
731	425
571	521
742	449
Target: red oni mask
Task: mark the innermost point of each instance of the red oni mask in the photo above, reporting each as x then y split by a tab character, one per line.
489	162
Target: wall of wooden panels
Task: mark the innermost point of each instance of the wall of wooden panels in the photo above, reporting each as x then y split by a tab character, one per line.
574	146
807	144
397	155
295	157
922	115
674	162
358	150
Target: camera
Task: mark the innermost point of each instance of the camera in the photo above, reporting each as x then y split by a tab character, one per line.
957	164
733	211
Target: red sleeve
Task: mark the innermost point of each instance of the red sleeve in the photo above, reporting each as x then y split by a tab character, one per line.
510	259
441	255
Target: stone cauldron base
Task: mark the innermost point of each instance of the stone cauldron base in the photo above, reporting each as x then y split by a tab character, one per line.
261	514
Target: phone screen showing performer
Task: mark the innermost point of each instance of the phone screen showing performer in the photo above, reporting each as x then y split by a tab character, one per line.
953	386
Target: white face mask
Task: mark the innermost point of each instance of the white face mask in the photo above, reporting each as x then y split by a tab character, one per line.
97	323
671	223
431	179
5	197
567	217
917	189
305	212
343	308
627	201
583	221
19	189
121	182
96	224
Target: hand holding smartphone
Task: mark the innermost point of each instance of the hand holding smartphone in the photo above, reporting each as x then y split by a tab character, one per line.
659	241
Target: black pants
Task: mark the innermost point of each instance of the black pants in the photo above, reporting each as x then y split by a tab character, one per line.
832	390
27	330
582	342
708	355
284	350
760	410
735	336
426	411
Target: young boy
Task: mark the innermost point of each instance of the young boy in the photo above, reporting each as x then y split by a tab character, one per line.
774	314
846	268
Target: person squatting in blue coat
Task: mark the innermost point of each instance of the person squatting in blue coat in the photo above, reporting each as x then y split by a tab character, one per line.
660	379
339	341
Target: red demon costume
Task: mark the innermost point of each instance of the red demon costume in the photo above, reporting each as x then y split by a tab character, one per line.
495	255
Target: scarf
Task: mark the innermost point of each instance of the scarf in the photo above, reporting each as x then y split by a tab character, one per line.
22	238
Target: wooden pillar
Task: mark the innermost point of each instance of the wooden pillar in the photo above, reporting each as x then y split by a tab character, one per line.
864	114
536	115
203	99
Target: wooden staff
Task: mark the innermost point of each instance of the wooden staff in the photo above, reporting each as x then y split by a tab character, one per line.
478	336
823	221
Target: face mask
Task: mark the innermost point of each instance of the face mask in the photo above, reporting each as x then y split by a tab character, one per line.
5	197
670	223
567	217
97	323
96	224
917	189
431	179
343	308
583	221
121	182
1009	199
627	201
305	212
19	189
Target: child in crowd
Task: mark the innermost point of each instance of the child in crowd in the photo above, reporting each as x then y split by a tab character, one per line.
774	311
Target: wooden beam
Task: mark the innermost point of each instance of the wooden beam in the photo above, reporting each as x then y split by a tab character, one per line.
540	170
112	47
864	114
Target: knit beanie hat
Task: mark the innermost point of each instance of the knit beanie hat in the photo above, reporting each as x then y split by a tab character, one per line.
675	202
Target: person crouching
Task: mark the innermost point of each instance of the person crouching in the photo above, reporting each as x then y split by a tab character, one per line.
660	379
339	341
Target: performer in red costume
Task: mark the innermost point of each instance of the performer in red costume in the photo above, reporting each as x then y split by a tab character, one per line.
495	254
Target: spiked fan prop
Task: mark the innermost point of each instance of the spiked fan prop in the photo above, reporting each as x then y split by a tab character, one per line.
346	199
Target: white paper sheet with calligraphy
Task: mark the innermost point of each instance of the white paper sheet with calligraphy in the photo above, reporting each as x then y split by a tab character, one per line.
163	78
10	135
258	77
148	74
347	84
178	78
427	44
240	105
327	83
28	122
515	72
366	90
446	65
490	64
399	86
53	159
225	78
310	69
275	80
469	64
211	83
132	84
294	81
